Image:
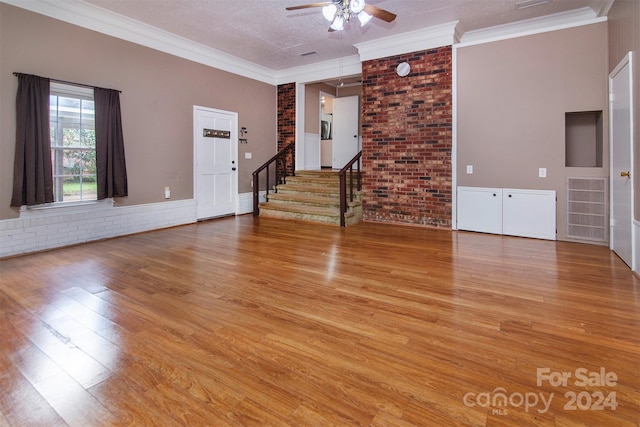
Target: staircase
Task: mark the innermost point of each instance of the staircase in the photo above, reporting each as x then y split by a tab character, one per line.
311	196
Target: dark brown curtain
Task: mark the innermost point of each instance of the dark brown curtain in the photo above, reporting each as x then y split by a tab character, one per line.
32	173
110	162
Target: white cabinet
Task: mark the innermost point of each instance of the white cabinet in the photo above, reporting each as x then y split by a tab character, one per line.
529	213
480	209
516	212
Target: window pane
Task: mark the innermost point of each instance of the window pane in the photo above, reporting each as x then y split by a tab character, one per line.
88	136
88	113
53	107
71	136
73	142
69	110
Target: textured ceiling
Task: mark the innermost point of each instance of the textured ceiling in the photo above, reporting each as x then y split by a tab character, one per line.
264	33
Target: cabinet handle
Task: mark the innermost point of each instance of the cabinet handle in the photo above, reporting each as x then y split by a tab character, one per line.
509	195
494	194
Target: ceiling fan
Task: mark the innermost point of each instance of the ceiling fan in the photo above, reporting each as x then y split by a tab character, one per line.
337	12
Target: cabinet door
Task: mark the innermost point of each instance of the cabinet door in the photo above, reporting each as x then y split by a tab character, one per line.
529	213
480	209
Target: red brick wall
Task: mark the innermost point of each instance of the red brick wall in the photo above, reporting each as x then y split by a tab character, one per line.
286	114
407	140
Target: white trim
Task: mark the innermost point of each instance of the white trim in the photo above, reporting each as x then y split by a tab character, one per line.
244	203
635	246
454	139
62	208
95	18
528	27
104	21
606	7
412	41
54	228
324	70
300	111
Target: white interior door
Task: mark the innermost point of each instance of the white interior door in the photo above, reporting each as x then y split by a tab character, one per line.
345	130
620	113
215	162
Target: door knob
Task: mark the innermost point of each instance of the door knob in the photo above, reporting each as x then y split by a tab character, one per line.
627	174
233	169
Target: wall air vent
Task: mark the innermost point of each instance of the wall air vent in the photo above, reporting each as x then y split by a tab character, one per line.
587	209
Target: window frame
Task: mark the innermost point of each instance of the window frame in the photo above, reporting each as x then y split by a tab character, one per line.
84	94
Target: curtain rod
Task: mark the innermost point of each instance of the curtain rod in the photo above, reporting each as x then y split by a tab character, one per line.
69	83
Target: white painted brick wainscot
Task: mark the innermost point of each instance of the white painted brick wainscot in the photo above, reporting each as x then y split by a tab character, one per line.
38	229
51	227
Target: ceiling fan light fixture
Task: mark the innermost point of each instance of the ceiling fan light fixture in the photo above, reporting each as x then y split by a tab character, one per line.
364	18
356	6
329	12
338	23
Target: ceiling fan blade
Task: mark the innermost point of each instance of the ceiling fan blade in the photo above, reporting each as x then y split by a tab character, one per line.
307	6
379	13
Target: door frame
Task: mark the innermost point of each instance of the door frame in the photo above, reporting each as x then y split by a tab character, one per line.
234	147
626	61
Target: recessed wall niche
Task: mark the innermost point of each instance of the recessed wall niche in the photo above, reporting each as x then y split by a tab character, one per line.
583	139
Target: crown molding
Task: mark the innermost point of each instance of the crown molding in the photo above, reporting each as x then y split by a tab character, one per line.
324	70
412	41
104	21
606	7
527	27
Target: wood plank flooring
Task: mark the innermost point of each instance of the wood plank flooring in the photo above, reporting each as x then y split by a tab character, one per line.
242	322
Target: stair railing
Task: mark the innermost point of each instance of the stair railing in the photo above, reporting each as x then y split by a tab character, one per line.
343	184
283	168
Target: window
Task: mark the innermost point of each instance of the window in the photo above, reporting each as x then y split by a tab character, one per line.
73	143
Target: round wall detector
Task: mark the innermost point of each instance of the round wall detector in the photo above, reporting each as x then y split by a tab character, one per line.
403	69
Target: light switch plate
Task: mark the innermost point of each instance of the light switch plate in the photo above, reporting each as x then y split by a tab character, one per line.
247	155
469	169
542	172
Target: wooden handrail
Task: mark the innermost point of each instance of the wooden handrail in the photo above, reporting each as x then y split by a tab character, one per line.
343	185
281	173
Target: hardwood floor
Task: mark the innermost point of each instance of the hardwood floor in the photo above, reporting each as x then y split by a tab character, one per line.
265	322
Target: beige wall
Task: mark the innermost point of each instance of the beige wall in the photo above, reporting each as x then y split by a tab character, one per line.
512	96
312	105
624	36
158	95
351	90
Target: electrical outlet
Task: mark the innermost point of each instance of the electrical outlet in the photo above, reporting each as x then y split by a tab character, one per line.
247	155
167	192
542	172
469	169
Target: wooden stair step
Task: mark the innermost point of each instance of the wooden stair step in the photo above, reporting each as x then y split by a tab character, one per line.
304	199
318	173
297	188
315	210
313	180
311	196
303	213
